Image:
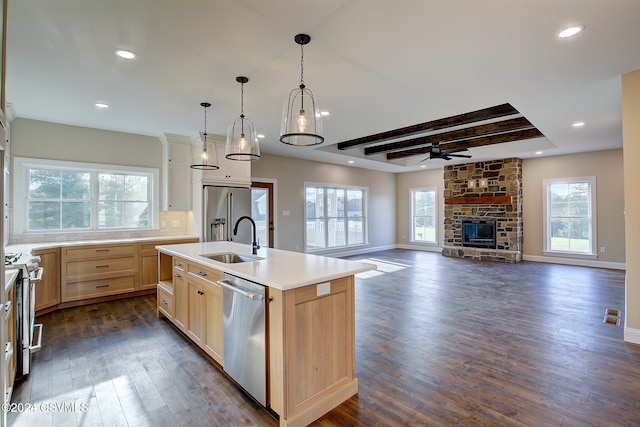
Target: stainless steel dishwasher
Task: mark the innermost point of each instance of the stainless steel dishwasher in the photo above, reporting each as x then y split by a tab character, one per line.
245	358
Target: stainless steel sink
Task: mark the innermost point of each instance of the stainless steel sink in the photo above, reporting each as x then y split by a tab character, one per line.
230	257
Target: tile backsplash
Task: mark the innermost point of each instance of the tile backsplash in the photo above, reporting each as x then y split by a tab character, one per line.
172	223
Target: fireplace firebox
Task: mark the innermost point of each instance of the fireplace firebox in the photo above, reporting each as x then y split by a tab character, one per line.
479	233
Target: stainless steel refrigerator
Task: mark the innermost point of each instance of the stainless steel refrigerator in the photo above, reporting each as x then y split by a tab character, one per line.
222	207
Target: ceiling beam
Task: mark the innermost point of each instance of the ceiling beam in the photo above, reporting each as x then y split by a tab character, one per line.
447	122
518	123
470	143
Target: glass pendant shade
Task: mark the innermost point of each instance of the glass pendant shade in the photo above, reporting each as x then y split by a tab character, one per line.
204	154
242	141
301	123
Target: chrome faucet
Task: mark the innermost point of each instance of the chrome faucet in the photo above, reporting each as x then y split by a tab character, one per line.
254	244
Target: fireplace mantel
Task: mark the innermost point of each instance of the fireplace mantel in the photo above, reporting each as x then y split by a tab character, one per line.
480	200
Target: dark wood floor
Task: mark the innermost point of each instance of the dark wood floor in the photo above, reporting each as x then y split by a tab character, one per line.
439	341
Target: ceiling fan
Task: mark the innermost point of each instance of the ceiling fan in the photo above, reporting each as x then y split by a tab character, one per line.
438	153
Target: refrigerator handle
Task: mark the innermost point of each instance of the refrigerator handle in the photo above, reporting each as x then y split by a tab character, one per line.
229	217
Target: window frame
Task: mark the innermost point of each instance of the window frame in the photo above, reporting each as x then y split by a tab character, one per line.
412	192
592	216
22	166
346	218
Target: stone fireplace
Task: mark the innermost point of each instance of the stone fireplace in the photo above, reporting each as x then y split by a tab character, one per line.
483	193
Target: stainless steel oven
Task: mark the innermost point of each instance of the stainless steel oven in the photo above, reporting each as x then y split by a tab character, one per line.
28	333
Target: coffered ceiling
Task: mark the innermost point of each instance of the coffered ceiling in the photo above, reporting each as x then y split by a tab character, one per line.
374	65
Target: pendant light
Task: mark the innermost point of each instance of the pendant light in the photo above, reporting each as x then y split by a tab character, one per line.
204	152
242	142
301	123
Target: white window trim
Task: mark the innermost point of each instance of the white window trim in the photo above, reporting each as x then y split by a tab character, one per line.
411	215
20	187
545	215
365	213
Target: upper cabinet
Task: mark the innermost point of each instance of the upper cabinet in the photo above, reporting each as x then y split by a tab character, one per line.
177	182
231	172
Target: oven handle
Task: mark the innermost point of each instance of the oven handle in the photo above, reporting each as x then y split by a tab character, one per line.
38	347
8	351
7	309
38	276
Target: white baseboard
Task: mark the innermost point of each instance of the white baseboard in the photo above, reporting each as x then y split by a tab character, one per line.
420	248
576	261
355	251
631	335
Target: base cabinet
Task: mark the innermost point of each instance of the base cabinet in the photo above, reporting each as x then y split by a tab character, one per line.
48	289
197	300
312	350
310	336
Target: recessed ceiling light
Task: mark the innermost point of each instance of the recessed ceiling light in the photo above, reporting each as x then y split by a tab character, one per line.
570	31
423	166
125	53
538	153
260	135
324	113
351	162
101	105
578	124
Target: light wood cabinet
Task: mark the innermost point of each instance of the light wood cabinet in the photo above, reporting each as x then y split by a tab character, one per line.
48	289
310	337
180	295
205	326
98	270
197	301
311	349
148	255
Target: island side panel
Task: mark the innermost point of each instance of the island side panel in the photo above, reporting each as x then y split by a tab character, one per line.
275	351
319	349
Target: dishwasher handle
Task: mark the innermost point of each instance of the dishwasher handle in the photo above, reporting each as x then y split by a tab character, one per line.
251	295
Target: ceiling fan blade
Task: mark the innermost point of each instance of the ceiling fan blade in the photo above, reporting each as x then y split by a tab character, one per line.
454	150
445	157
459	155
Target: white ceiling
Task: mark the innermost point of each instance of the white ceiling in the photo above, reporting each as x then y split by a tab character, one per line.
376	65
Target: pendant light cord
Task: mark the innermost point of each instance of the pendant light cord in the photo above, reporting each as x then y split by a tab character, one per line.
242	107
205	124
302	66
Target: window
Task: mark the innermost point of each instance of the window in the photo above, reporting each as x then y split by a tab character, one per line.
424	215
334	217
53	196
570	226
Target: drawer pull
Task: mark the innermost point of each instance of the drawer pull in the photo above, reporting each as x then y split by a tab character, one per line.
200	293
164	302
178	275
102	266
102	250
178	264
201	274
102	286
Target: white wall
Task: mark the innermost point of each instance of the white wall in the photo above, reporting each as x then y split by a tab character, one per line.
605	165
291	174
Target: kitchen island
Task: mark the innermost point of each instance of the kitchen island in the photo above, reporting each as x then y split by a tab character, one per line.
310	319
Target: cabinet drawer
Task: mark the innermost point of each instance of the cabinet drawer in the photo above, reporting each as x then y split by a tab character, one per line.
165	302
98	251
98	288
99	266
210	275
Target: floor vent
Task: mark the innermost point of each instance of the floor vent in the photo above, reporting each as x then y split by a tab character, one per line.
611	317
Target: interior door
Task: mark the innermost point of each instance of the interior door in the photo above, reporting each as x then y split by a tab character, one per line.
262	212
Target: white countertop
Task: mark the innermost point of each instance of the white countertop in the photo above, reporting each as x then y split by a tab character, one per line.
9	279
28	247
278	269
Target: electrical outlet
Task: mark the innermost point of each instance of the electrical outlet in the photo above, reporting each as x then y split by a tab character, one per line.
175	223
603	249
